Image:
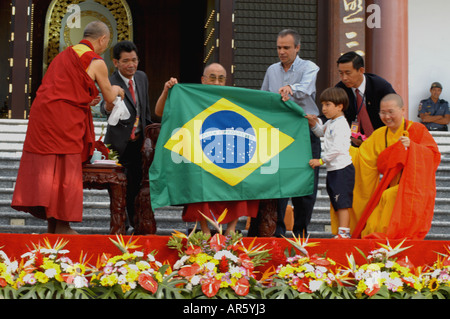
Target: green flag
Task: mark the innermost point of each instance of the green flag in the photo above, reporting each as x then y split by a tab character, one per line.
220	143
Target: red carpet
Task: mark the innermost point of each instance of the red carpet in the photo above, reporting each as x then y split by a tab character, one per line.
93	246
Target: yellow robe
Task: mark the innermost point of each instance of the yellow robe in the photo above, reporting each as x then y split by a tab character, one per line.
367	178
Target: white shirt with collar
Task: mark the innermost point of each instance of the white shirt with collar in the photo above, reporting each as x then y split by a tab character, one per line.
301	77
127	83
361	88
138	110
336	147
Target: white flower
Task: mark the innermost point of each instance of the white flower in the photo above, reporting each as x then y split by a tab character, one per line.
234	270
393	284
27	255
435	273
210	266
385	275
121	280
48	251
315	285
66	260
80	282
138	253
180	262
144	264
195	280
29	263
50	273
444	277
123	270
359	275
309	268
134	267
29	279
321	269
108	269
3	256
318	274
373	280
12	267
64	266
227	254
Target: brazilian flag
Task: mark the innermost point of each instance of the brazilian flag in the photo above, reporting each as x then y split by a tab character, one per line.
220	143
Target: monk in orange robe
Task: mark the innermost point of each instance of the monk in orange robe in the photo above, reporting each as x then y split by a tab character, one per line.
406	157
60	134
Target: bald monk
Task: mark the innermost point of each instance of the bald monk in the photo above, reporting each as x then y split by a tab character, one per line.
405	154
213	74
60	135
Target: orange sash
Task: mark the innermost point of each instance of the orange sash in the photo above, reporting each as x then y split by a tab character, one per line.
414	206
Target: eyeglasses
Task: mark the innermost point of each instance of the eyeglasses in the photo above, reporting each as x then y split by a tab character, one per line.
214	78
128	61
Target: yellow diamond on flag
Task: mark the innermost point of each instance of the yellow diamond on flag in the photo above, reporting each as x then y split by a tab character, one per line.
228	141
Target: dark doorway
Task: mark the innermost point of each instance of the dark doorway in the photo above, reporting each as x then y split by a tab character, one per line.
5	55
169	35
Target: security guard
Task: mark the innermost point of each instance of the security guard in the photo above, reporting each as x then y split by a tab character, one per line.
434	112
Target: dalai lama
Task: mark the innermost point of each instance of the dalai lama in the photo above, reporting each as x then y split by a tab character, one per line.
60	134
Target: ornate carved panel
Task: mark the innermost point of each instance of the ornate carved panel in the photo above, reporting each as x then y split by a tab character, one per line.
66	19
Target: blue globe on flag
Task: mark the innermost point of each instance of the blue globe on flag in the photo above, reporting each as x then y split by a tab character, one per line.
228	139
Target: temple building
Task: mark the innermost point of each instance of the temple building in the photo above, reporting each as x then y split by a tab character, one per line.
401	40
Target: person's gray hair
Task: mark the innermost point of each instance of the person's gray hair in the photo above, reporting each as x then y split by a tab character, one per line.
95	30
393	97
295	35
213	64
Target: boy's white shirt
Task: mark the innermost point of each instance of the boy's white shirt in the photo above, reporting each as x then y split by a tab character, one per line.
336	146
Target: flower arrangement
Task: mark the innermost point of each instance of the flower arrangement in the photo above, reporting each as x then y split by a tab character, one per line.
8	273
45	272
384	276
106	149
133	275
435	280
304	276
218	266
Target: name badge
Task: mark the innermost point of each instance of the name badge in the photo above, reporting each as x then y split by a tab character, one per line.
355	127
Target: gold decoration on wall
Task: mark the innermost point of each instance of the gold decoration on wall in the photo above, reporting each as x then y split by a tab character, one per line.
57	11
210	41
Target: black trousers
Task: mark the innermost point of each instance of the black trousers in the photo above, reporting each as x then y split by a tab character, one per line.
303	206
131	160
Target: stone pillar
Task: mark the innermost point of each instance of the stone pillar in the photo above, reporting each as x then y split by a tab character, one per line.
387	42
341	28
20	61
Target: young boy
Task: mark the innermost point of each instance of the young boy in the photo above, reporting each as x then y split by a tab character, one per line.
336	155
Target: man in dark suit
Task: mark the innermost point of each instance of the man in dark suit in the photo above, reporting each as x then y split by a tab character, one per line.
127	136
365	91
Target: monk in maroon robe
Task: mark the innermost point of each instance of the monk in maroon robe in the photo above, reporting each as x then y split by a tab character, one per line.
60	134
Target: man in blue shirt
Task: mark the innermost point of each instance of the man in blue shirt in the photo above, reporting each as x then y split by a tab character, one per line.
294	78
434	112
